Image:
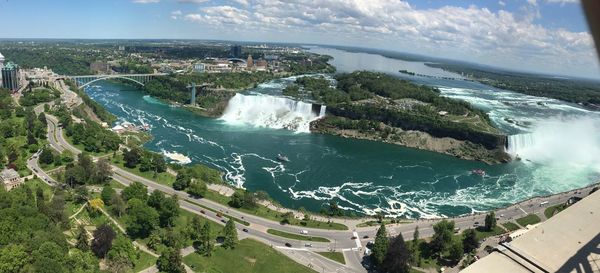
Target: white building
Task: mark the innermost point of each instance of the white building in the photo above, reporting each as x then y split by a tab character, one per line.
1	66
10	179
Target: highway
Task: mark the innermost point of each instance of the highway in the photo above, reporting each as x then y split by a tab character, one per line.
340	240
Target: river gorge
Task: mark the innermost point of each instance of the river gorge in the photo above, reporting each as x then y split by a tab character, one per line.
558	144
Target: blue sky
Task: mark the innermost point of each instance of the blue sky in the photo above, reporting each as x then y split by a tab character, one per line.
548	36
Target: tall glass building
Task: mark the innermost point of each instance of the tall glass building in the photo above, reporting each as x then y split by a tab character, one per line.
10	76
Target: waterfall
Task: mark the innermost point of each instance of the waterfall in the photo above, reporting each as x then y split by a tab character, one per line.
270	112
322	111
519	144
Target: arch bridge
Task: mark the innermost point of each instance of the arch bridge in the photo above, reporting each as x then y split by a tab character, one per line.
86	80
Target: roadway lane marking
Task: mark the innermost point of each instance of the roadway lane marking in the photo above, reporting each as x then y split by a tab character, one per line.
522	210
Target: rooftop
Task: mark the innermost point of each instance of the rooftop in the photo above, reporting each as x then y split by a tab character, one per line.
567	242
7	174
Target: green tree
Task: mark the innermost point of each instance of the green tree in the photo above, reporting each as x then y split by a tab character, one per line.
168	212
470	242
442	237
455	252
107	194
182	181
118	205
82	262
13	258
230	235
237	199
141	219
170	261
156	199
397	256
158	163
380	246
82	239
132	157
121	256
46	157
102	242
135	190
197	189
49	257
206	243
154	240
490	221
196	228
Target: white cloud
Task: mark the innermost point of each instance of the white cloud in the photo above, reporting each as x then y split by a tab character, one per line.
501	3
145	1
176	14
469	33
532	2
192	1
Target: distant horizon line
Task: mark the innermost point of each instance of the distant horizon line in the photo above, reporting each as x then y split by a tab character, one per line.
337	46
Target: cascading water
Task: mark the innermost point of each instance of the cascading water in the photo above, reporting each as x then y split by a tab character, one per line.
518	144
270	112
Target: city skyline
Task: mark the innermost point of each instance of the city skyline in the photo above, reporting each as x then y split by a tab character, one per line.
549	36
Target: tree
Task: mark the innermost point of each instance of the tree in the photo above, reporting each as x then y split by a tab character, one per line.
237	200
182	181
95	206
141	218
456	251
132	157
122	255
168	212
416	235
196	227
206	244
490	221
197	189
442	237
380	246
154	240
397	256
156	199
82	239
82	262
135	190
13	258
46	157
158	163
107	194
103	237
118	205
230	235
170	261
470	242
102	172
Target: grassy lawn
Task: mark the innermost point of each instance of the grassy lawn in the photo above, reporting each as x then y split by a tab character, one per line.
296	236
510	226
550	211
336	256
144	261
248	256
528	220
481	233
116	185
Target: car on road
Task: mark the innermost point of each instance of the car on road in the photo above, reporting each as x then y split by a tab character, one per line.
223	221
288	244
307	245
304	231
245	230
366	237
353	238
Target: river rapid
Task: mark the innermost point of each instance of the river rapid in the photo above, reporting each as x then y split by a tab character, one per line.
558	143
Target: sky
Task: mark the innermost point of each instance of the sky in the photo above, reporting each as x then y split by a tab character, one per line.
546	36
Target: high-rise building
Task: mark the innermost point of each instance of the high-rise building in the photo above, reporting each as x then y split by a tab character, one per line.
1	66
249	62
236	51
10	76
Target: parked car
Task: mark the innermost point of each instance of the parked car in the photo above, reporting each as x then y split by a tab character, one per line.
353	238
245	230
223	221
288	244
366	237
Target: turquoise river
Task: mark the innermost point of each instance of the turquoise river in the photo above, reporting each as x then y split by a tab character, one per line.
559	144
